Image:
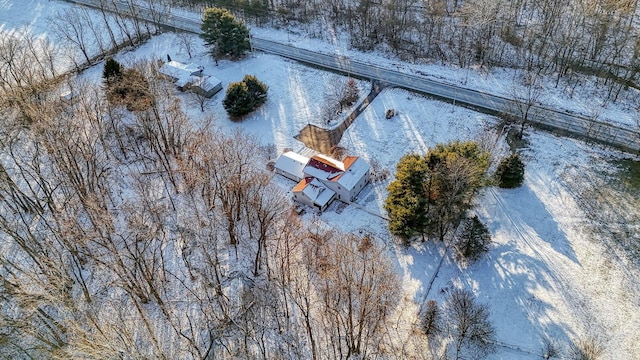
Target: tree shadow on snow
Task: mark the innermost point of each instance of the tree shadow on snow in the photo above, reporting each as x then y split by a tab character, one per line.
527	216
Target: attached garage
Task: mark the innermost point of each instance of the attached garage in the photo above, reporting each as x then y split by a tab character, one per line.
291	165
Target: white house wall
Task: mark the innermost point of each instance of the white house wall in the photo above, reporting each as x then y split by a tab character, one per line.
359	186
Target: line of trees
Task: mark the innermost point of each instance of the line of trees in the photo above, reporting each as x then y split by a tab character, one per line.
91	33
563	37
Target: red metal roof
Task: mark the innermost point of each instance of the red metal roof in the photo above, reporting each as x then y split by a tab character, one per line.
324	165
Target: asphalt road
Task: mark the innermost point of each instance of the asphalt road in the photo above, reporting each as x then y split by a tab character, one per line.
625	139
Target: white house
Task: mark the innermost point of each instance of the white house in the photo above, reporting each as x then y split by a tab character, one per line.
321	178
206	85
191	77
180	73
346	178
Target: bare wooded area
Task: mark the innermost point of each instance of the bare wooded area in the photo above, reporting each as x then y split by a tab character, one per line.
145	234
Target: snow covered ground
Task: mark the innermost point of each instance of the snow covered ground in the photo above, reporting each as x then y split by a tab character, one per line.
28	14
583	98
550	272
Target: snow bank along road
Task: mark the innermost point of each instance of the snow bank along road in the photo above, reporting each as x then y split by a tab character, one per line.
622	138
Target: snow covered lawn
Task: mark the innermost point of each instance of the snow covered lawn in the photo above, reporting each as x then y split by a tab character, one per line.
547	273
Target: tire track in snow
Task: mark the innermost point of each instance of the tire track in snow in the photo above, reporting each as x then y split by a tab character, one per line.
573	298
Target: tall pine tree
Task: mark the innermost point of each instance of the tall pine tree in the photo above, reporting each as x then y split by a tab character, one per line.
227	35
406	203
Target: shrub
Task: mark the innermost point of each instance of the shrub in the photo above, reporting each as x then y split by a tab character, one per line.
510	172
130	89
586	349
244	96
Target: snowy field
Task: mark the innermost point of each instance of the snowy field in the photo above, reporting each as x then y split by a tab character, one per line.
549	272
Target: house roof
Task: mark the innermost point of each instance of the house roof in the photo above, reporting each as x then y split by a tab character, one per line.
326	163
178	67
206	83
346	173
356	168
292	163
314	190
323	168
179	71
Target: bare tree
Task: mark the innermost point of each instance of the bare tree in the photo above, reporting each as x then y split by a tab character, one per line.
468	325
106	16
525	99
357	287
338	96
290	275
74	26
198	99
27	75
187	41
265	207
234	160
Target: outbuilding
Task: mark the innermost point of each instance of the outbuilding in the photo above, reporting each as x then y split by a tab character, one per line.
291	165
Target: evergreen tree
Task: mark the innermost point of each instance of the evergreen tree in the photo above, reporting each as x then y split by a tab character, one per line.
227	35
112	70
510	172
457	172
432	193
244	96
257	90
406	203
237	101
474	239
